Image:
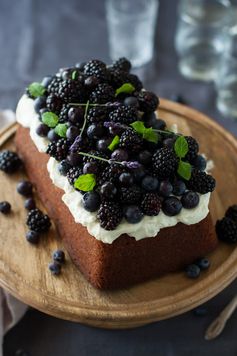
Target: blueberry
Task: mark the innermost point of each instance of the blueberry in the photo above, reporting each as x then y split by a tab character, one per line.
64	167
74	159
165	188
200	311
171	206
179	187
72	133
116	130
32	237
39	103
119	155
193	271
145	157
25	188
108	190
131	101
42	130
169	142
126	179
55	268
80	65
133	214
30	204
139	173
157	124
203	263
178	98
76	115
90	168
150	183
5	207
190	200
46	81
59	256
102	145
52	136
95	131
91	201
200	163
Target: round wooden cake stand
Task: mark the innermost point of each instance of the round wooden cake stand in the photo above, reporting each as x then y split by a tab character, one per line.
24	268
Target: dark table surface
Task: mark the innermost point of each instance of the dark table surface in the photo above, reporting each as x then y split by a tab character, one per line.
38	37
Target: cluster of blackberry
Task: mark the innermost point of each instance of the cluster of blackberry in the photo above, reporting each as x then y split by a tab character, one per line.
226	228
134	176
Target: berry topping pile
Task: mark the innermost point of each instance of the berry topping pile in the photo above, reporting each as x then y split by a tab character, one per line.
102	129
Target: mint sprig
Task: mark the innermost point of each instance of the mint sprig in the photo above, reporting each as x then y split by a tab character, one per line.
50	119
147	133
36	89
181	149
61	130
114	143
85	182
126	88
74	75
85	118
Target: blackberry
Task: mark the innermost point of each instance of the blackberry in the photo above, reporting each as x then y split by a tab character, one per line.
193	148
130	195
102	94
9	161
164	163
109	215
232	213
148	101
151	204
71	90
96	114
226	230
73	174
201	182
63	115
38	221
96	69
135	81
54	103
111	173
58	149
53	87
131	141
117	78
124	114
122	64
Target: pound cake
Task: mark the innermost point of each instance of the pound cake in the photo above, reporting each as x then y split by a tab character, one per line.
128	195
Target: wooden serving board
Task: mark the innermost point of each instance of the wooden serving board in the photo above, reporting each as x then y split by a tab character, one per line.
24	268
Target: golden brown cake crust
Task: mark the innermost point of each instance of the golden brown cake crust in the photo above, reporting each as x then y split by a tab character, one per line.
125	261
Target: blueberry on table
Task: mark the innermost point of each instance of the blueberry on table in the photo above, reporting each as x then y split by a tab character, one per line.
59	256
30	204
193	271
32	237
203	263
25	188
55	268
5	207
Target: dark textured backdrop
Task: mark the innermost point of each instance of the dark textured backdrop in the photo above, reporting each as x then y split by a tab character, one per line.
37	37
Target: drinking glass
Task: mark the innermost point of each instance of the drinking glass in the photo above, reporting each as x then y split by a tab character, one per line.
226	81
131	27
202	36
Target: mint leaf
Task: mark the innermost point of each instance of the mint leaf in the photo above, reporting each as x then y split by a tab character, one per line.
126	88
50	119
36	89
61	130
150	135
74	75
114	143
85	182
184	170
138	126
181	147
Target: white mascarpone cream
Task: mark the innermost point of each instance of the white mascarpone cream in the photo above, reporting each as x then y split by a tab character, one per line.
148	227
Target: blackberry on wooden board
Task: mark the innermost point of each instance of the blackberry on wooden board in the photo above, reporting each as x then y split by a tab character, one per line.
38	221
9	161
226	230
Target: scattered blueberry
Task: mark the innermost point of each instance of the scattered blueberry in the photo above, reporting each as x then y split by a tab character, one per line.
200	163
42	130
203	263
165	188
190	200
64	167
32	237
150	183
133	214
55	268
39	103
126	179
179	187
171	206
59	256
200	311
25	188
30	204
108	190
193	271
5	207
91	201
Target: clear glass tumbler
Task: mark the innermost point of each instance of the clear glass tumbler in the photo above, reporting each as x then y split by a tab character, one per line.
202	36
131	27
226	81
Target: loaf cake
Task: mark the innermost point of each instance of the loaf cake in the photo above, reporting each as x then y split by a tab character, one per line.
128	195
